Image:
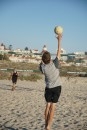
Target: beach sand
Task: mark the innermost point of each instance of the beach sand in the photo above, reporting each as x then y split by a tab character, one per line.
23	109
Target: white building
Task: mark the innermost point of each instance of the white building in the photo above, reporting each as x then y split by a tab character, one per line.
64	58
2	47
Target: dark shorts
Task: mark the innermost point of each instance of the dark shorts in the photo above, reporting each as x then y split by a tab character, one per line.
52	94
14	81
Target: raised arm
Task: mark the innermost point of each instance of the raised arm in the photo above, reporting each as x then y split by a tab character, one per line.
59	37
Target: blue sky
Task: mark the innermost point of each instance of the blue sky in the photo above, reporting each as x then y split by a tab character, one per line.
30	23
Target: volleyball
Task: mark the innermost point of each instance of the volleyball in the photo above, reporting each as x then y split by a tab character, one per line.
58	30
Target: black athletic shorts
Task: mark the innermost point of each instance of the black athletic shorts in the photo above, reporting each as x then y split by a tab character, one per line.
14	81
52	94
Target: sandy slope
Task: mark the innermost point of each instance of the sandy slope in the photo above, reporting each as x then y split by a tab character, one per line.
23	109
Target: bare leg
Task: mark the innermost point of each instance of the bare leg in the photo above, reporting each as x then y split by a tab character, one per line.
47	113
13	86
51	114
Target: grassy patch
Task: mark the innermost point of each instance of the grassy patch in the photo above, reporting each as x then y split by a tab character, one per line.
24	75
34	75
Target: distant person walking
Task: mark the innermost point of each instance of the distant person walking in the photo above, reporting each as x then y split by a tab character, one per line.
50	68
14	77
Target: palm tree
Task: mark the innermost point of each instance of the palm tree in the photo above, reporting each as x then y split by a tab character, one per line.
26	48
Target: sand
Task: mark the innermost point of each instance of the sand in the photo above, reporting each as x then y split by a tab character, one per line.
23	109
